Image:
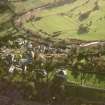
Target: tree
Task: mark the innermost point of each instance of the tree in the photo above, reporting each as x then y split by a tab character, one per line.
83	29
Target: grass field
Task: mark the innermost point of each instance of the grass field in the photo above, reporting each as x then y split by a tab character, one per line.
6	23
81	19
88	79
67	23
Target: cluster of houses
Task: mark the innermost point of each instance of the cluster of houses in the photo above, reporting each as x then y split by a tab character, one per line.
25	53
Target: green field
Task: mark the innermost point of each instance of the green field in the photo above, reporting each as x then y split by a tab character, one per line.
87	79
5	23
81	19
68	21
25	5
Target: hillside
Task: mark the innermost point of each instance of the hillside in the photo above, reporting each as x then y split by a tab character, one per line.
52	51
78	19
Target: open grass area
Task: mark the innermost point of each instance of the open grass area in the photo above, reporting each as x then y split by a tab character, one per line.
5	24
25	5
87	79
68	21
5	16
81	19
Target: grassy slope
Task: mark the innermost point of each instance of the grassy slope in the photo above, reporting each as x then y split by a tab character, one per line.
69	24
24	6
92	80
5	24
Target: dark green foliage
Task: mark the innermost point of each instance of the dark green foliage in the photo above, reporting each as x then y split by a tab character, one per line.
83	29
84	16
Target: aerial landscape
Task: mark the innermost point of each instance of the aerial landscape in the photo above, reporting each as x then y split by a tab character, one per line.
52	52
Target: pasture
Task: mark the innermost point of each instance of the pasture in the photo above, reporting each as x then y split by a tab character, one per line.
81	19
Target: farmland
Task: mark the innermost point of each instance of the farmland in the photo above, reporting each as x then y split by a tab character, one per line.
65	21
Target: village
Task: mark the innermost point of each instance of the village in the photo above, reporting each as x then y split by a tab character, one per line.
42	62
19	53
25	56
